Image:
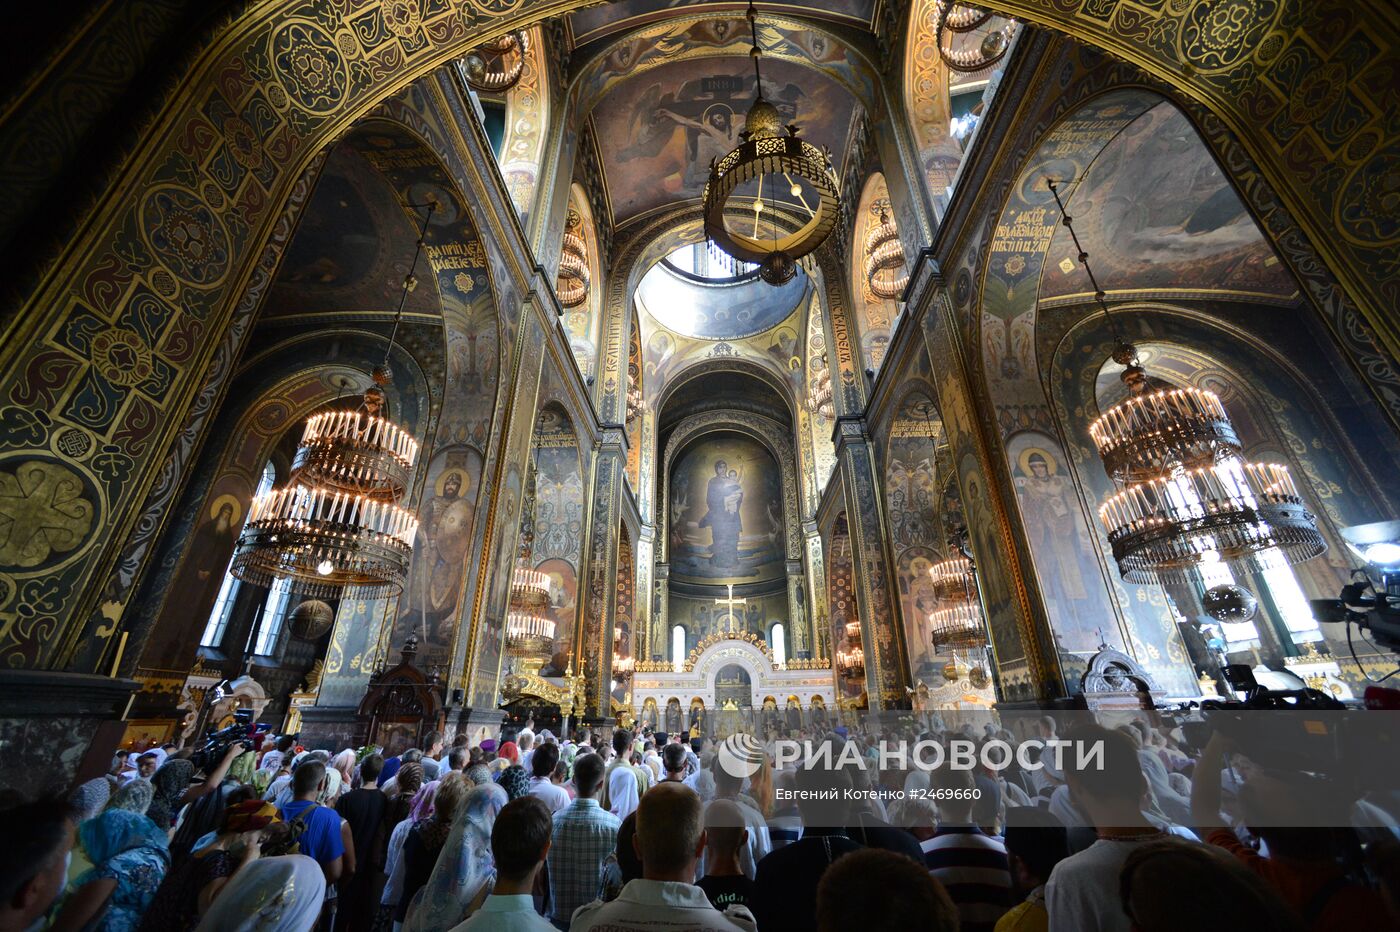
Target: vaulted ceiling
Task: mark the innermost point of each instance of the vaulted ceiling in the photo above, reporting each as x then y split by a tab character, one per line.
667	87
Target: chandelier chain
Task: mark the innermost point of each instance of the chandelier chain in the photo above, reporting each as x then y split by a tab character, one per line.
409	281
1083	256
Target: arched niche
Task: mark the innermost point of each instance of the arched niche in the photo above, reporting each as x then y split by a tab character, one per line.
875	315
551	527
580	280
767	432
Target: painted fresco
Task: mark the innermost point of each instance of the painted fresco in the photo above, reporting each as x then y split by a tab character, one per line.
1155	211
441	560
913	499
658	133
594	22
352	248
726	520
558	516
1060	543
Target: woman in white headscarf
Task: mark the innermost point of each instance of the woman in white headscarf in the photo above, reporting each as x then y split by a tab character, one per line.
281	894
622	791
464	871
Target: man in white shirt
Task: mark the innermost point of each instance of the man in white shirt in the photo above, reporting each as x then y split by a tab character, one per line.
1083	892
519	843
670	837
542	764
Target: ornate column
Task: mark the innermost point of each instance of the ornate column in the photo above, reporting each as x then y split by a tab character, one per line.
643	614
593	636
479	646
660	623
882	635
799	611
819	612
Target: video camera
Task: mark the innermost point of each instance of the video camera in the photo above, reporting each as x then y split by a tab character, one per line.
243	731
1372	603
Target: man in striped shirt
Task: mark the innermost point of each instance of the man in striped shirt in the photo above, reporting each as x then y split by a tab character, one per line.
971	864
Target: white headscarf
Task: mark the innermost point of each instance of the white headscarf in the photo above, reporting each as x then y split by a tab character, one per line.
622	791
269	895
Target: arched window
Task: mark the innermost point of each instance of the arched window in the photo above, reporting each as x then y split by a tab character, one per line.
217	623
273	619
777	642
678	647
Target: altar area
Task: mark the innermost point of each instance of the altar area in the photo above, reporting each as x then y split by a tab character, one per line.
730	681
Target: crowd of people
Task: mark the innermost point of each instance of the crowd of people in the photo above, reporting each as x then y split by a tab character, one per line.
640	830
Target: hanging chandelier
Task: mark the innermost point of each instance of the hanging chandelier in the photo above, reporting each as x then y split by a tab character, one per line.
636	404
529	632
1187	498
884	257
789	167
957	623
338	526
958	19
496	66
851	662
572	283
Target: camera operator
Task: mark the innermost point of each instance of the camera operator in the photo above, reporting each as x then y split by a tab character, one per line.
1301	864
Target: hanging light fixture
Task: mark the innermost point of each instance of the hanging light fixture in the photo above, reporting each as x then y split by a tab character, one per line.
884	256
957	623
1187	498
528	630
851	661
573	281
338	525
769	163
959	19
497	66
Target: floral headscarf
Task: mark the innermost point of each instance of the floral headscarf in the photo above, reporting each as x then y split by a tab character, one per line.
243	768
135	797
170	783
422	808
514	781
463	866
249	816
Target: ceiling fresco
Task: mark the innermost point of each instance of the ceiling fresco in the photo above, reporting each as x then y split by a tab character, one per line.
659	132
1155	212
595	22
352	248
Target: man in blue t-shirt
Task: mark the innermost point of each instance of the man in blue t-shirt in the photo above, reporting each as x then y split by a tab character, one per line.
320	839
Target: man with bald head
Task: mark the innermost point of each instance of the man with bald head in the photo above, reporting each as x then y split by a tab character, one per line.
670	836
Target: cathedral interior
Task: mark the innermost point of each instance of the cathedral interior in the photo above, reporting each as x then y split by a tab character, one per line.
354	344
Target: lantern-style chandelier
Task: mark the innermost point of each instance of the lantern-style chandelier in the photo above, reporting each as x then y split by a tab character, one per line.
851	661
1187	498
338	526
770	162
884	257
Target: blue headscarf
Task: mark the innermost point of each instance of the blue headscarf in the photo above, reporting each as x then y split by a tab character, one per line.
464	865
118	830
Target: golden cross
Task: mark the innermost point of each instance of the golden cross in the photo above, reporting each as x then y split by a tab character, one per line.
730	603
